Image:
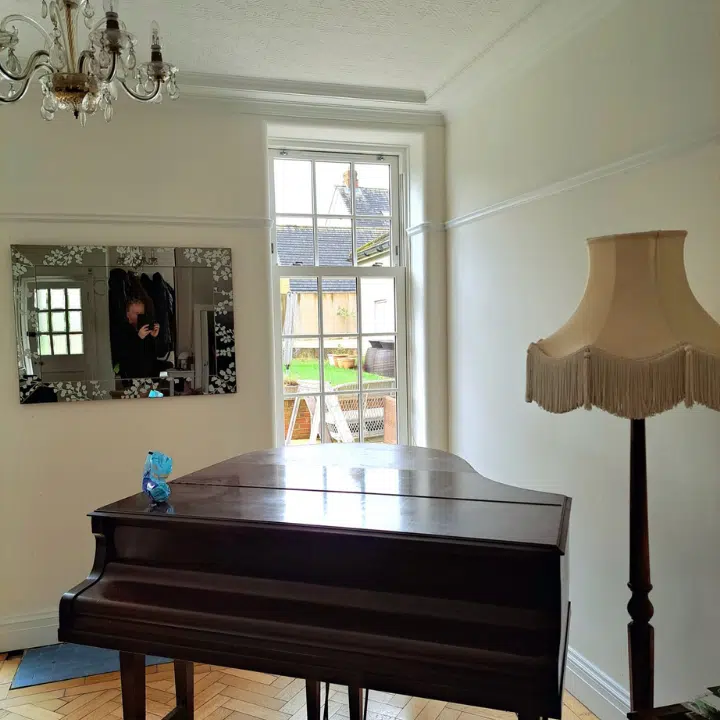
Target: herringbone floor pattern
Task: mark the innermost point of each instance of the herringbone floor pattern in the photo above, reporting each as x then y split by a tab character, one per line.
222	694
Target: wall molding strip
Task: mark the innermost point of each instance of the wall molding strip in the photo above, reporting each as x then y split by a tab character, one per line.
680	147
258	223
595	689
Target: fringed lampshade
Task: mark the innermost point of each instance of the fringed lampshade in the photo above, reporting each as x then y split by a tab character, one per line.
638	344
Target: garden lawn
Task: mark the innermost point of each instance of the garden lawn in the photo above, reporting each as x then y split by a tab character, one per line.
309	370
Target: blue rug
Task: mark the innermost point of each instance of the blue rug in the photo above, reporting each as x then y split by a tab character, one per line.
67	662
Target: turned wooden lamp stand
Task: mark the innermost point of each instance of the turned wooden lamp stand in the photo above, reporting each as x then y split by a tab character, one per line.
638	344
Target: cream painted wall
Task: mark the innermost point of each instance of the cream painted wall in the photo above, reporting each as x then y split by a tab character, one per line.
645	77
59	462
195	159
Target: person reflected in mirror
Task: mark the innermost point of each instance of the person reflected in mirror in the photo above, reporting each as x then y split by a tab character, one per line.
136	347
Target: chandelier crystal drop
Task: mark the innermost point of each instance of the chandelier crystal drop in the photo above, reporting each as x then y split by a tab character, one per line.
82	81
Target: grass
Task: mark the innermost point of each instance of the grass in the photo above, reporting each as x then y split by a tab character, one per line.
310	370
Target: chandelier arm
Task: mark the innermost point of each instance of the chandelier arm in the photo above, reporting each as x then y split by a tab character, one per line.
19	95
37	60
29	21
84	56
141	98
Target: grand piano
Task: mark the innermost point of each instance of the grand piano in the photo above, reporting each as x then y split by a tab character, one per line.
371	566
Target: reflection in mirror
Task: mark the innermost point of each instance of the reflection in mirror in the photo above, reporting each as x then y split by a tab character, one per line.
97	323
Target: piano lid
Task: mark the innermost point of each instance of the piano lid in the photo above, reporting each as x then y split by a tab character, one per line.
380	488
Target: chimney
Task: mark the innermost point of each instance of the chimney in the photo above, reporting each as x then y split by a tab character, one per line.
346	179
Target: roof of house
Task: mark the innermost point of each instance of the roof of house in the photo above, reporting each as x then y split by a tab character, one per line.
368	200
295	244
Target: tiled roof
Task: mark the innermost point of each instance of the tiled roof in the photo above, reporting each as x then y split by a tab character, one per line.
368	201
295	247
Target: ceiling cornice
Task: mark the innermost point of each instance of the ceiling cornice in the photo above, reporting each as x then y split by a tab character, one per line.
238	86
289	109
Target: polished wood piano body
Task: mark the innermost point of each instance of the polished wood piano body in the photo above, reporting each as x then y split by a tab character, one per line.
372	566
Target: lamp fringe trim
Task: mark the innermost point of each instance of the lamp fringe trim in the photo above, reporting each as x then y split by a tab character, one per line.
628	388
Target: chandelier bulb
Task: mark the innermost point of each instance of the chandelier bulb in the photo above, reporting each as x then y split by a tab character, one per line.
111	6
155	33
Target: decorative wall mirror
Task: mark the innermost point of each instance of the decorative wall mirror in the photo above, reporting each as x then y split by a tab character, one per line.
102	323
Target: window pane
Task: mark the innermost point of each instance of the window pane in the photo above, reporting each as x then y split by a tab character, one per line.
380	417
299	306
332	187
342	417
76	344
60	345
74	300
58	321
339	305
293	186
44	346
75	317
300	365
334	241
373	241
378	305
294	240
378	361
41	299
341	363
303	414
372	189
43	322
57	298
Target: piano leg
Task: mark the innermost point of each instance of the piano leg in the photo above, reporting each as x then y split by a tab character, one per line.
184	689
312	697
132	679
355	700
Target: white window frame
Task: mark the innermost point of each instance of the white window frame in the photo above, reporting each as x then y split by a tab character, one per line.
397	271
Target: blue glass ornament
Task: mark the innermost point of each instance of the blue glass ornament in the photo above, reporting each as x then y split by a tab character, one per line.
158	467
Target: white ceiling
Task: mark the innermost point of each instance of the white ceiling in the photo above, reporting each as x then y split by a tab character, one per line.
400	44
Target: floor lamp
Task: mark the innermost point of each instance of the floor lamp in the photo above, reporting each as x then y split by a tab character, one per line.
638	344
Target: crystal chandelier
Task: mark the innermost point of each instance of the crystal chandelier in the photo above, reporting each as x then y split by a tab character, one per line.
82	81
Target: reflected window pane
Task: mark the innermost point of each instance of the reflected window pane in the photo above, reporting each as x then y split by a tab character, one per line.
380	417
76	344
43	322
373	240
75	318
60	344
300	365
41	299
58	322
74	300
339	305
44	347
293	186
378	305
299	306
294	239
57	298
341	363
332	188
379	366
334	241
372	189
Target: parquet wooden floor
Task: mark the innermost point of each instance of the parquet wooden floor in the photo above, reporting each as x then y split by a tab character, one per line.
223	694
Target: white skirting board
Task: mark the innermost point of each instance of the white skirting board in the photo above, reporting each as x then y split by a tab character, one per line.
590	685
28	631
593	688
